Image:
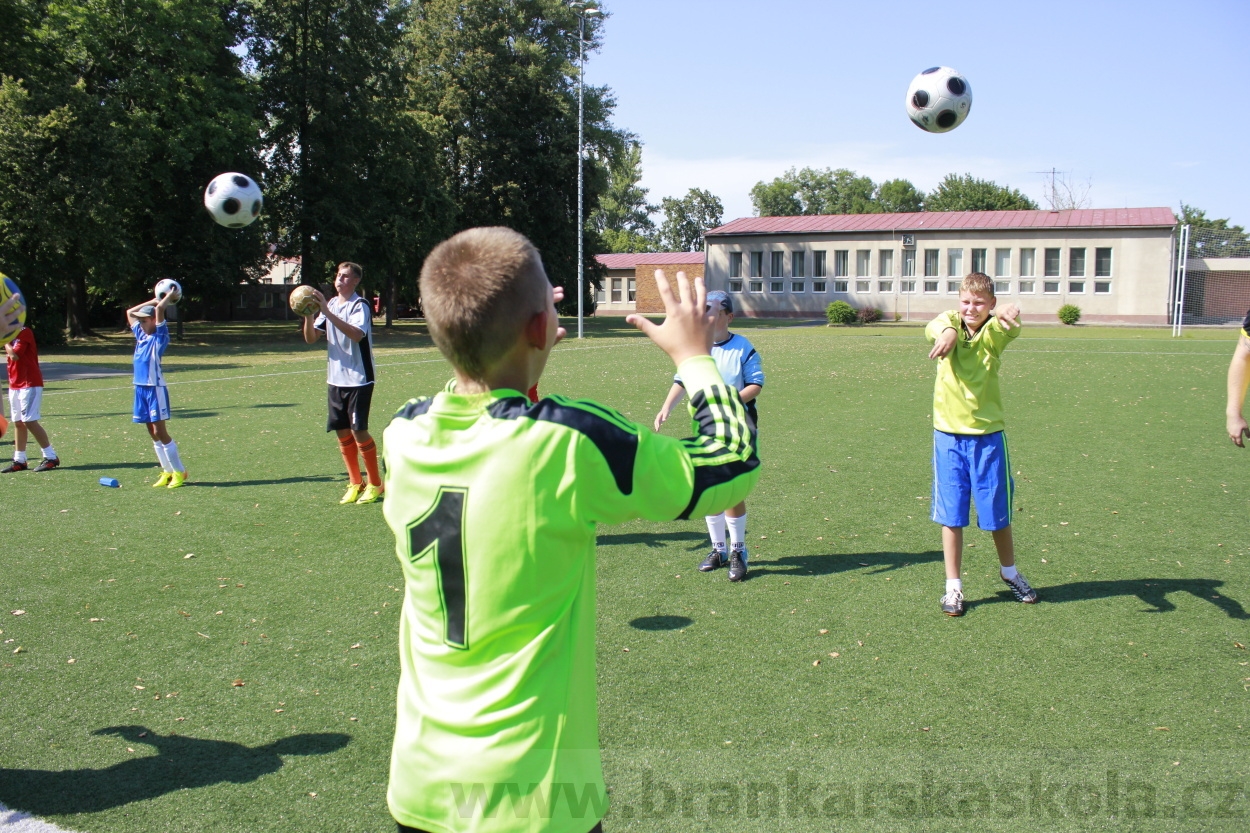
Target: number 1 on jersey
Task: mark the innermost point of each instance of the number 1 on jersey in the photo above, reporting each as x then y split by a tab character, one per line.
442	529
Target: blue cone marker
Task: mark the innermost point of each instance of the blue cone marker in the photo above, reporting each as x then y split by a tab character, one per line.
111	482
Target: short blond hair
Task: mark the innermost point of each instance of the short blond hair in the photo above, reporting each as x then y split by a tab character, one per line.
478	290
354	267
978	283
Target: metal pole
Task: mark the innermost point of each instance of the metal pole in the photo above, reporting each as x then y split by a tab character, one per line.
1182	258
581	78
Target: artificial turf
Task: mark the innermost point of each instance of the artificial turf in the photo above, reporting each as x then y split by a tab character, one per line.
825	692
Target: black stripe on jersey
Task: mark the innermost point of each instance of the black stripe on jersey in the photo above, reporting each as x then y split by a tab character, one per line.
705	477
366	350
414	408
618	446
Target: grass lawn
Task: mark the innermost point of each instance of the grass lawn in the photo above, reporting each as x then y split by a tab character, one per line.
223	656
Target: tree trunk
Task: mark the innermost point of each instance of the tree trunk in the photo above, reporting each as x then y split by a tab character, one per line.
390	298
77	308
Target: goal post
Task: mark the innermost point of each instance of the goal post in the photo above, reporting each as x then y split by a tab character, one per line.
1212	280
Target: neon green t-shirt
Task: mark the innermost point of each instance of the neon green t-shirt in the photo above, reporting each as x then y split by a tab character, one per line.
494	502
966	398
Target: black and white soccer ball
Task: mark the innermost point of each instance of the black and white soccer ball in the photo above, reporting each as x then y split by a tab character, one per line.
939	99
170	287
233	199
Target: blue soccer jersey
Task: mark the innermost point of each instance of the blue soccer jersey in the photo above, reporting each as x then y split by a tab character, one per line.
738	362
148	352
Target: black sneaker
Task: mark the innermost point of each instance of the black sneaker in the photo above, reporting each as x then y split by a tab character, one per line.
1020	589
737	565
48	464
953	603
14	466
714	561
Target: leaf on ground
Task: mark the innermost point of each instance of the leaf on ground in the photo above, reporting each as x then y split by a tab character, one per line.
19	613
835	655
1162	729
824	631
189	555
141	687
816	662
237	684
1239	645
184	613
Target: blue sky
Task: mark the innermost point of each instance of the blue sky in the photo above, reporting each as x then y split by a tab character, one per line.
1147	102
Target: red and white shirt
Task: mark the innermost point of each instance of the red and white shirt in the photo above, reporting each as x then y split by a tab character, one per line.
24	366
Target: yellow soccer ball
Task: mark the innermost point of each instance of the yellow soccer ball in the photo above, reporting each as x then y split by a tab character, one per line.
8	289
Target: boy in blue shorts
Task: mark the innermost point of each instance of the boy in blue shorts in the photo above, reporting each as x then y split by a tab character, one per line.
147	322
970	460
739	365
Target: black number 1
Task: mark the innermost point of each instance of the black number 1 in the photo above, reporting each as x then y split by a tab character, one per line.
442	528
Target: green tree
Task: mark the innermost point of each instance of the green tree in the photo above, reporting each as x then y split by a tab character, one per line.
623	217
686	220
966	193
811	191
1211	237
899	196
779	198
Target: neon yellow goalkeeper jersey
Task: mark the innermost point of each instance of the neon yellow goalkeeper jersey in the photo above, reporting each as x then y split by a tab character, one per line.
494	502
966	397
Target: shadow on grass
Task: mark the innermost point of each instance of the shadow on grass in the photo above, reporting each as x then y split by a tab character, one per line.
227	484
180	763
273	405
655	540
660	623
1152	591
106	466
824	565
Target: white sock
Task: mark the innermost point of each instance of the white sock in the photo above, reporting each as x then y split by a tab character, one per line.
954	584
19	456
716	530
737	531
1009	572
49	453
161	455
171	450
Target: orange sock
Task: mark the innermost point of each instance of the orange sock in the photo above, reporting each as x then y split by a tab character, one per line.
347	447
370	452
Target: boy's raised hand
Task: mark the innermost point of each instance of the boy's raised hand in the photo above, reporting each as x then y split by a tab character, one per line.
1009	316
944	344
688	326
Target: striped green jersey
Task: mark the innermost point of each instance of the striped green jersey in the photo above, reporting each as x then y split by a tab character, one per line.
966	397
494	503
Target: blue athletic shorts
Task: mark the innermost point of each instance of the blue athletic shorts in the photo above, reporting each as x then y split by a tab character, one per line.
972	467
151	403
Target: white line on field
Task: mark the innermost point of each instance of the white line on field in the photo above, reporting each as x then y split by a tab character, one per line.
15	821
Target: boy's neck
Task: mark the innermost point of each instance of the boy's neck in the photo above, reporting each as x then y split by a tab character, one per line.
721	337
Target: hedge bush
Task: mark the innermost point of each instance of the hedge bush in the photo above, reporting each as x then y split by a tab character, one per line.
1069	313
869	315
840	312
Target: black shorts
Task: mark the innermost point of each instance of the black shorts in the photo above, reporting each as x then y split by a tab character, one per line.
349	408
598	828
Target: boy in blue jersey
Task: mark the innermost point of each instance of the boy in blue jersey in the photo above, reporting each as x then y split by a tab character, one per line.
739	365
147	322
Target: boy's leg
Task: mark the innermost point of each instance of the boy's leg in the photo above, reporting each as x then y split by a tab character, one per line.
19	442
993	489
716	531
360	401
351	460
50	460
736	520
177	471
951	497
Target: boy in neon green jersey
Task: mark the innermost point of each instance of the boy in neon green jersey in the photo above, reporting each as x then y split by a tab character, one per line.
970	460
493	501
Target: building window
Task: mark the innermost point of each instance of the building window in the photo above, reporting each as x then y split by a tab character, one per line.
631	286
266	300
818	264
1002	287
931	287
819	286
797	286
1076	287
840	286
601	295
1076	263
931	262
863	286
907	287
1026	287
242	302
1002	263
978	260
955	263
886	286
909	263
1026	263
1102	263
885	260
1050	287
757	264
778	265
735	264
841	259
757	286
1102	287
776	286
798	264
863	262
1051	264
616	290
953	287
735	286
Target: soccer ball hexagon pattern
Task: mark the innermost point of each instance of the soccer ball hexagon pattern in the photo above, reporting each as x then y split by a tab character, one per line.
302	301
7	290
939	99
233	199
170	287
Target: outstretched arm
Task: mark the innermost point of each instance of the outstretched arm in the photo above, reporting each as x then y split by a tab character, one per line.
675	394
1238	380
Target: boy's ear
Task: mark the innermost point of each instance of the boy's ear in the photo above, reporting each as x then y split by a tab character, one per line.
536	330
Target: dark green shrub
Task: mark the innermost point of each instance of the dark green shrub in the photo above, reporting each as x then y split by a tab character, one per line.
840	312
869	315
1069	313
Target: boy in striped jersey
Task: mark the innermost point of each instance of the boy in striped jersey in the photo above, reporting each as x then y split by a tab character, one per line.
147	322
970	460
494	503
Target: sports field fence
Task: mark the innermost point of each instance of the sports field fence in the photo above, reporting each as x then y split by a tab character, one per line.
1211	281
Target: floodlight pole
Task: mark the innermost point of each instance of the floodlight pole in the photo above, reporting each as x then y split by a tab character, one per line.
583	11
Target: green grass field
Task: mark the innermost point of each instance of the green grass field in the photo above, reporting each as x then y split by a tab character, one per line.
222	657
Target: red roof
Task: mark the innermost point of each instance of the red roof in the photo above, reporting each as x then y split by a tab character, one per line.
952	220
632	259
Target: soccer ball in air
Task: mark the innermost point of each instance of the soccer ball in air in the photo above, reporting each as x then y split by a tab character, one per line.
7	290
302	301
939	99
233	199
170	287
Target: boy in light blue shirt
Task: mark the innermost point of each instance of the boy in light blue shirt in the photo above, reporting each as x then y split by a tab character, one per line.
147	322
